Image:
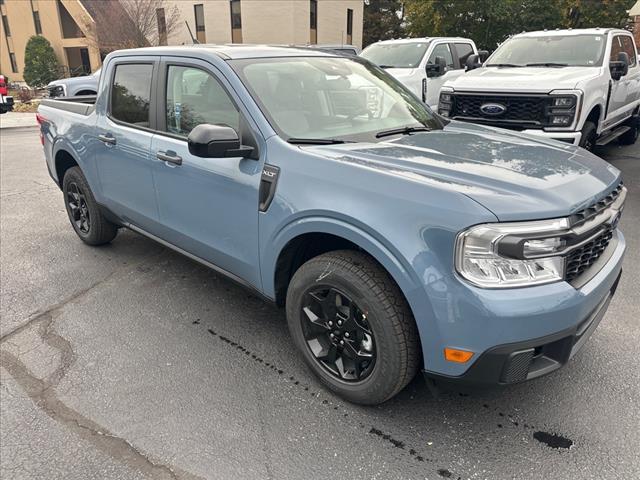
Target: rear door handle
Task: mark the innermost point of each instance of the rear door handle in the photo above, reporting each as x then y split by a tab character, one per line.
168	157
107	139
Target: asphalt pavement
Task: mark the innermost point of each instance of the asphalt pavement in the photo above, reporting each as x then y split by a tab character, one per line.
129	361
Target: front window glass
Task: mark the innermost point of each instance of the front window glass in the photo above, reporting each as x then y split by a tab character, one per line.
330	98
623	43
442	50
130	94
396	55
552	50
195	97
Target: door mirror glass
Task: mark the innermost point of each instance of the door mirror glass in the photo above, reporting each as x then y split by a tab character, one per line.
473	62
620	67
216	141
483	54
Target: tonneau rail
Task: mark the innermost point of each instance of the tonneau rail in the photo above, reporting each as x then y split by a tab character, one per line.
82	105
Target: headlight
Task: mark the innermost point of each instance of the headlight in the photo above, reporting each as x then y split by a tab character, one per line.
562	108
505	255
445	103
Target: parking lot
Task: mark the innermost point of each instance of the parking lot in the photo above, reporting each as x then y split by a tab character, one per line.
130	361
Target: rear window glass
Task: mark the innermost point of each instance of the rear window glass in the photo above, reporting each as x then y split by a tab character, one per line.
131	93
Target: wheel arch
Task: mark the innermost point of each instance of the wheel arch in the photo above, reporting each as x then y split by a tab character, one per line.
63	161
308	237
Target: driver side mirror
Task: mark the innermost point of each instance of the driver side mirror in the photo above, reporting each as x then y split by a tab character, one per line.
216	141
437	68
620	67
483	54
473	61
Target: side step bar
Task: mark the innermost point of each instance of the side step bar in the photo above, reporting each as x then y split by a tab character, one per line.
612	135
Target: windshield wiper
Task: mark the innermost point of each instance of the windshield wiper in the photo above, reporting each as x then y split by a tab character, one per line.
503	65
401	131
386	66
547	64
314	141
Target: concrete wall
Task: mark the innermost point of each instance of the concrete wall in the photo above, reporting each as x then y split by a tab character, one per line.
271	21
22	28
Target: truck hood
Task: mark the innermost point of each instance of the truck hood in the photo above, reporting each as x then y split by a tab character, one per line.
83	80
516	177
522	79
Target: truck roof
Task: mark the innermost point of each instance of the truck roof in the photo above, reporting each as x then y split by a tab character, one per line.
423	39
231	51
572	31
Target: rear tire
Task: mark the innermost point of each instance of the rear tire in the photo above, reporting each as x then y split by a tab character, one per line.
589	136
84	213
377	324
631	135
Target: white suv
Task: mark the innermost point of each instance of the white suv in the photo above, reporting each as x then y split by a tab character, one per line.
578	86
422	64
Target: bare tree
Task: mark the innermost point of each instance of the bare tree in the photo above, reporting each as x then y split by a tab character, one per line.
154	20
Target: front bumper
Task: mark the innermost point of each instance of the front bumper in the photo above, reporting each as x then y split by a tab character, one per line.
515	334
572	138
520	361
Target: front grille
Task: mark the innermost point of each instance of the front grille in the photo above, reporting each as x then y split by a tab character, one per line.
580	259
597	207
520	111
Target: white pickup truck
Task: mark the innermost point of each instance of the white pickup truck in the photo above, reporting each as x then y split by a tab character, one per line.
422	64
577	86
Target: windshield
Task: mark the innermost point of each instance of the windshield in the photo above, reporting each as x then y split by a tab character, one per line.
396	55
552	50
330	98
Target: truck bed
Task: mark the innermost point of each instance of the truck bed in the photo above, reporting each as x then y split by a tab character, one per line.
81	104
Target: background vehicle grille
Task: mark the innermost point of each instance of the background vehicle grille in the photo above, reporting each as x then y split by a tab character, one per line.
582	258
529	111
56	91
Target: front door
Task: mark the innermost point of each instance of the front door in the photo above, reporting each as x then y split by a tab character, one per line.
434	84
208	206
623	91
124	130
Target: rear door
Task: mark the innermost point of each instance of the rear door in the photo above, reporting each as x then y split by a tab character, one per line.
125	127
208	206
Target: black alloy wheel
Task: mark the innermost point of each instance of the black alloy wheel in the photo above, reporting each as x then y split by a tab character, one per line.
338	334
78	208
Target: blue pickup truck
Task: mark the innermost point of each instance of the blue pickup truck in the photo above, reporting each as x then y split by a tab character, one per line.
396	239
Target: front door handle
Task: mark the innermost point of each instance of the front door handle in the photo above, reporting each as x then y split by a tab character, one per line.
107	139
168	157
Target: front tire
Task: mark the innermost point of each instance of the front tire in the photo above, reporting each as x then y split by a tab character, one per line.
589	136
353	326
84	214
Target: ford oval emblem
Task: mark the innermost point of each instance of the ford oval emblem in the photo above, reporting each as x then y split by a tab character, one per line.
492	108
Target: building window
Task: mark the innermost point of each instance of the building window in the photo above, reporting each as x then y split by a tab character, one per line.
14	64
199	13
70	28
236	22
5	25
313	21
162	26
349	26
36	23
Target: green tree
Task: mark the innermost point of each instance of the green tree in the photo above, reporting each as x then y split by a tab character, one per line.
382	20
489	22
40	62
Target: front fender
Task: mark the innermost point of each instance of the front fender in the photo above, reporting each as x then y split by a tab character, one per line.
395	263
